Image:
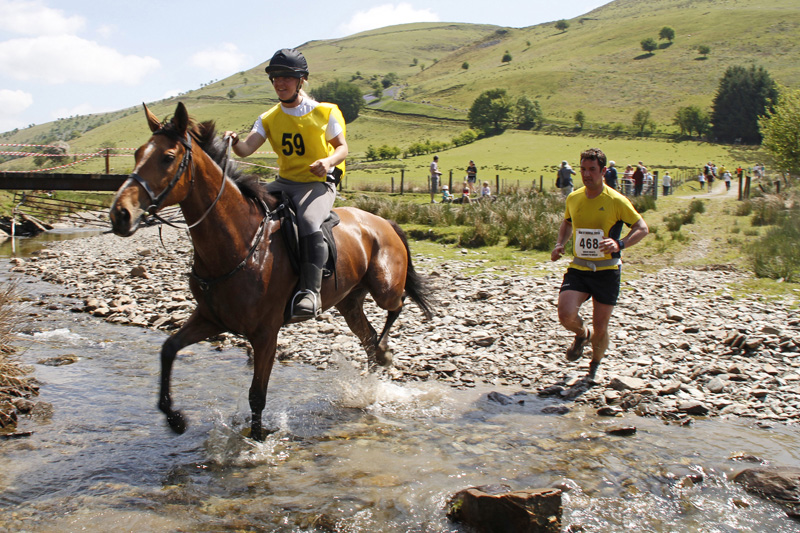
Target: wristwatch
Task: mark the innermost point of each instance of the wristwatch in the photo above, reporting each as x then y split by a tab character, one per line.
621	244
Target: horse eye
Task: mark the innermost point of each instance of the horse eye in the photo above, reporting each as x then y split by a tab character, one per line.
168	159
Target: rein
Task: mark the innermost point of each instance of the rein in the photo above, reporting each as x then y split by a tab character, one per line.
206	284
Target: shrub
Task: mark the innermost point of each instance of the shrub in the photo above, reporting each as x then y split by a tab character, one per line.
768	211
643	203
776	255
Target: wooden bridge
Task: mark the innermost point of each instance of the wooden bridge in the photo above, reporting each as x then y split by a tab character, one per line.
35	181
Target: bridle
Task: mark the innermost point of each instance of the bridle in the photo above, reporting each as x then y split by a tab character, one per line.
156	201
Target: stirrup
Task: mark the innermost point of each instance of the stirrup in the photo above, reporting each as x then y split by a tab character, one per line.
317	310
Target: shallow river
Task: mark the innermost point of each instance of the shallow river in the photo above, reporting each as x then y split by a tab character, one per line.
351	453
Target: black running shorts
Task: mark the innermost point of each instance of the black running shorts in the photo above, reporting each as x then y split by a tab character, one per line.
602	285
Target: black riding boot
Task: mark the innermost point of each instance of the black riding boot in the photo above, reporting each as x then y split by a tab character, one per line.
313	254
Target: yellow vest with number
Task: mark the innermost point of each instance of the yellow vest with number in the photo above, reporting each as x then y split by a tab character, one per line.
299	141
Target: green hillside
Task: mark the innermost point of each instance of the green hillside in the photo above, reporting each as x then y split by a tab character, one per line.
596	65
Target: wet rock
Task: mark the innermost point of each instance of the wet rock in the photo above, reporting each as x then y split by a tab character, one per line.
486	510
500	398
780	484
555	410
609	411
622	431
8	415
59	360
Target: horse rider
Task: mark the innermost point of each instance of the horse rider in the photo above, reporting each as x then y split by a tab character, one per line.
309	139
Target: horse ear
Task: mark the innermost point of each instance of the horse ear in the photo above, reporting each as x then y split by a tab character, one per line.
152	121
181	118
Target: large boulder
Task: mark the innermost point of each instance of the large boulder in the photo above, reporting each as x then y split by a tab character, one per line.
491	509
780	484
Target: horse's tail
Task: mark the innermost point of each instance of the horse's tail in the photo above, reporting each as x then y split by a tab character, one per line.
416	287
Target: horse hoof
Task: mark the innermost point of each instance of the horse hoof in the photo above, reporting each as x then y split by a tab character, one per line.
177	423
384	358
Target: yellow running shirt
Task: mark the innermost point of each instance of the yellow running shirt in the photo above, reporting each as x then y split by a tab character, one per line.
299	141
595	219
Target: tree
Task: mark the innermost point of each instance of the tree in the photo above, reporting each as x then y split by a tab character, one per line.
465	137
527	114
744	94
641	120
562	25
666	33
490	112
649	45
780	128
465	65
506	57
344	94
231	94
390	79
690	119
580	118
703	50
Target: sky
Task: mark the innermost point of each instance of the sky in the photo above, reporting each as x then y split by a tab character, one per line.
60	59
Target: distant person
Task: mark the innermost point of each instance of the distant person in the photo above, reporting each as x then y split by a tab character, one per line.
708	174
611	175
701	178
564	179
666	183
627	180
638	179
446	196
465	193
435	173
726	177
593	219
472	175
486	191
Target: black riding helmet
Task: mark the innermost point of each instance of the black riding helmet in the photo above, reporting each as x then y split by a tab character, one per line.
287	62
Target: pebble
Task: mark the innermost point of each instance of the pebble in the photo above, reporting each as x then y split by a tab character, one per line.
680	344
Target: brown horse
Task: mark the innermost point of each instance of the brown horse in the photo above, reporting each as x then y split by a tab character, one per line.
242	278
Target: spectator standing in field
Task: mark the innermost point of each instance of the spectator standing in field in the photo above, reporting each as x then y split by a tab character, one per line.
593	218
666	183
435	173
638	179
564	179
627	180
611	175
472	175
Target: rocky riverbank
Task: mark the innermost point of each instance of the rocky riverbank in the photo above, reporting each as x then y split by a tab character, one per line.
683	342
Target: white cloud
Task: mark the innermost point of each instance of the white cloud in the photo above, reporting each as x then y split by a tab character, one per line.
80	109
221	60
34	18
106	31
386	15
65	58
12	104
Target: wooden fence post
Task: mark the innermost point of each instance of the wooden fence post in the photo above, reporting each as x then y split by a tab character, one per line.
497	184
108	166
402	179
392	184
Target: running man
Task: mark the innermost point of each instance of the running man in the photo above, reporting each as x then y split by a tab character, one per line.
593	218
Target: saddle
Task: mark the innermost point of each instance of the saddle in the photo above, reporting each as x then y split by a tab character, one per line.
287	214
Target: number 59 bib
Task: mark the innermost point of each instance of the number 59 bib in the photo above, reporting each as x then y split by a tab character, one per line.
587	243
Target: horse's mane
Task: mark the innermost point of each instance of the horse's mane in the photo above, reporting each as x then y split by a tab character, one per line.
204	134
